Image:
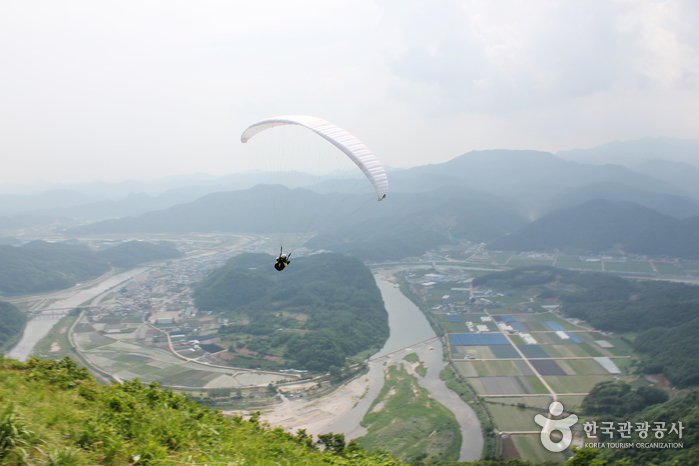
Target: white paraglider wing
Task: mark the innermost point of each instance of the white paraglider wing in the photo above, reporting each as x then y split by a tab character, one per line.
350	145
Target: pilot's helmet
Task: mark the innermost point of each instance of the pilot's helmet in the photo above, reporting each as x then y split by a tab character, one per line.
283	256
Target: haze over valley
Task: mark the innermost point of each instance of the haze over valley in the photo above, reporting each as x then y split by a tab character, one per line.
453	233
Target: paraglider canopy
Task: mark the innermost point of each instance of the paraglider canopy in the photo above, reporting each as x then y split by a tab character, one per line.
347	143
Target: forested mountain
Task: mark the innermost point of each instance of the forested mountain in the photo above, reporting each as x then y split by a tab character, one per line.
9	241
131	253
668	204
530	178
604	225
12	322
251	210
618	399
318	311
405	224
40	266
683	175
415	223
609	397
634	153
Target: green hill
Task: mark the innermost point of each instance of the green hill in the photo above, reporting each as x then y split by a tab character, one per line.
54	413
603	401
12	322
131	253
600	225
317	312
41	266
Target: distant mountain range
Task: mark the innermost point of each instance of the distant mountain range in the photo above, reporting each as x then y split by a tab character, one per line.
601	225
408	223
668	204
532	179
477	196
632	154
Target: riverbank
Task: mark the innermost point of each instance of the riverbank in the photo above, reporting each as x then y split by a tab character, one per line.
74	297
343	410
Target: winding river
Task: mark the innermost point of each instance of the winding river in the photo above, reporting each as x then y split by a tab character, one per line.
40	325
409	329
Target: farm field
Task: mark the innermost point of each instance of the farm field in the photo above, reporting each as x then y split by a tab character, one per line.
530	351
126	356
568	262
529	446
629	266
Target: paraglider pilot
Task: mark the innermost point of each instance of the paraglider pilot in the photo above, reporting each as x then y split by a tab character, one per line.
282	261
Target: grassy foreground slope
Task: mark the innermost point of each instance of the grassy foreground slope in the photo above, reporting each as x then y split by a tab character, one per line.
53	412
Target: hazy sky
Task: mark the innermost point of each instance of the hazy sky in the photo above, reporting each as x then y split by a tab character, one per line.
144	89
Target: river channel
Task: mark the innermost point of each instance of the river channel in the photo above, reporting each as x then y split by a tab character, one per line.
409	328
40	325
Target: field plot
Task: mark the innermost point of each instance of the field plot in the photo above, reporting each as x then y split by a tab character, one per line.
93	340
546	338
519	261
499	258
547	367
517	340
518	326
534	326
466	368
533	351
478	352
691	267
502	368
536	385
667	269
620	344
508	301
629	266
512	418
454	328
568	262
581	367
127	359
570	401
582	350
540	403
503	310
574	383
505	352
477	339
530	448
549	318
505	385
499	368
